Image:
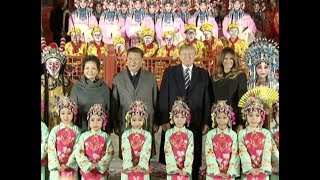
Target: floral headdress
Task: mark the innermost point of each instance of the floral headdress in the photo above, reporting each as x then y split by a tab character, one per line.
253	104
52	51
206	27
98	109
137	107
190	26
69	103
167	33
233	25
95	28
180	107
262	50
118	40
146	31
222	107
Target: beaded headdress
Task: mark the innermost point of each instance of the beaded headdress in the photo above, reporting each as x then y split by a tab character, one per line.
137	107
186	2
180	107
69	103
262	50
52	51
98	109
222	107
152	2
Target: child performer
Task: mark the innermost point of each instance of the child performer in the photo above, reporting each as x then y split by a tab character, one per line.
44	140
254	142
275	146
221	148
179	145
94	150
136	144
62	140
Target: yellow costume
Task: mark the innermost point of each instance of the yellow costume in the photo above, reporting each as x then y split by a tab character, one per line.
210	46
149	50
239	45
166	51
97	48
199	45
120	44
72	49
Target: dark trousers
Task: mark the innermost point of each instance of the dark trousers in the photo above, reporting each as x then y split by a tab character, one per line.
197	152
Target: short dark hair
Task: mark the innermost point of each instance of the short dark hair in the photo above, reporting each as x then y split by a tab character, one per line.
91	58
136	50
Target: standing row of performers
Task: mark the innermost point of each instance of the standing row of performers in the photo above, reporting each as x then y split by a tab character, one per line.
113	23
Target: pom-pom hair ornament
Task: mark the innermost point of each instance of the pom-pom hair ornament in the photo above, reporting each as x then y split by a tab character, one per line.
52	51
253	104
222	107
137	107
98	109
180	107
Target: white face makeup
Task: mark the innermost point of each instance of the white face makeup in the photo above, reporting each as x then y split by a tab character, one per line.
234	32
148	39
191	34
169	40
53	66
97	36
207	35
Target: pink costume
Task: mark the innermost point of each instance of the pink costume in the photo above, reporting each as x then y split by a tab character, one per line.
83	18
247	29
203	16
169	21
135	20
112	24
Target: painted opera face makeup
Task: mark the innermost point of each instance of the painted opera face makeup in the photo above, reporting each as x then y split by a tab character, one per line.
97	36
169	40
148	40
191	34
262	70
53	66
234	32
236	5
207	35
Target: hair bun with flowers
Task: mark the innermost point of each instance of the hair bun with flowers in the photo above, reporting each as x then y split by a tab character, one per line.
180	107
69	103
137	107
98	109
222	107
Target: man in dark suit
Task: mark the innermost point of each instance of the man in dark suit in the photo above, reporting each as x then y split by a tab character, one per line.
195	86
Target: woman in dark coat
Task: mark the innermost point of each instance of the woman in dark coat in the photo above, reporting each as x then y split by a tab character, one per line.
229	82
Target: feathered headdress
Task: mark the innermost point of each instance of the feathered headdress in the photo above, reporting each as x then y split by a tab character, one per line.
222	107
98	109
180	107
52	51
262	50
69	103
137	107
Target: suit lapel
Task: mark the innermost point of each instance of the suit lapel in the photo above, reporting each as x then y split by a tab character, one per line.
127	81
194	78
141	80
178	76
